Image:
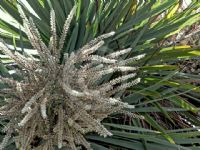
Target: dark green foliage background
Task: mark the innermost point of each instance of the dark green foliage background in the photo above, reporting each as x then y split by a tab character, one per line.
161	97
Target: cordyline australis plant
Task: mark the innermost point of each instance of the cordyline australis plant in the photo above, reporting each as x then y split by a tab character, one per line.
58	102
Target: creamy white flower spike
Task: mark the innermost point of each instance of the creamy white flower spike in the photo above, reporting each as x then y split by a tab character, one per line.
60	101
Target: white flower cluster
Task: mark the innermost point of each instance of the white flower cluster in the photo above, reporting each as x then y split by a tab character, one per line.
58	103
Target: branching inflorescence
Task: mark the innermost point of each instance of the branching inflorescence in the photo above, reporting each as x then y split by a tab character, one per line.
58	103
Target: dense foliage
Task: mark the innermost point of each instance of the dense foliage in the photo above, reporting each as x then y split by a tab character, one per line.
165	97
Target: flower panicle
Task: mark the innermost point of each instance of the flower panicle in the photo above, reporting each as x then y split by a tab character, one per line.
61	101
